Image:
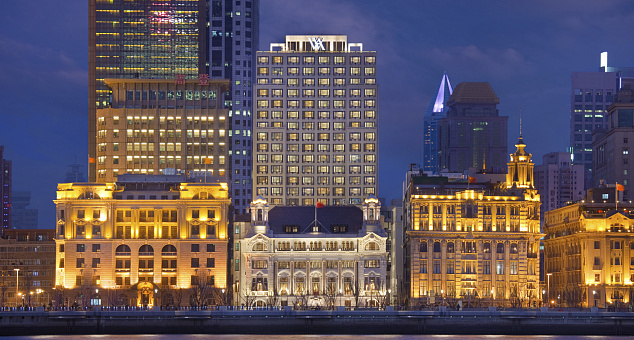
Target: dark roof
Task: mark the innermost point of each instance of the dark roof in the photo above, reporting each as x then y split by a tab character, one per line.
480	93
304	216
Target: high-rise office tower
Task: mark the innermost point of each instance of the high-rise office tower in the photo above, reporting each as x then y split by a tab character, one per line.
172	39
591	94
436	110
5	190
22	217
156	124
234	37
611	147
559	181
316	122
473	135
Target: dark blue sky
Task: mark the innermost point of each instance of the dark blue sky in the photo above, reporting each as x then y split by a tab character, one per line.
525	49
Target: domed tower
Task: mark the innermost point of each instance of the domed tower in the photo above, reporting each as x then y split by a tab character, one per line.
371	216
520	168
260	215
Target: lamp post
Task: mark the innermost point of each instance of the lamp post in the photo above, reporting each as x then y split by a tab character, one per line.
548	285
389	297
223	297
17	284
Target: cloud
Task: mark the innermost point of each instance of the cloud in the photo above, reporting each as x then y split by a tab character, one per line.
29	63
473	61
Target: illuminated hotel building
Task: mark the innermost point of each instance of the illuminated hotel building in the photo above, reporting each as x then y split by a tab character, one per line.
313	257
589	251
316	122
168	39
154	124
474	242
143	241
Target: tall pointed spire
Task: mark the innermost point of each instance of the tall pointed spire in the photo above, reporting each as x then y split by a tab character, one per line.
435	111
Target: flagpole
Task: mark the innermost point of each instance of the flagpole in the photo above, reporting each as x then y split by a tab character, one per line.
616	196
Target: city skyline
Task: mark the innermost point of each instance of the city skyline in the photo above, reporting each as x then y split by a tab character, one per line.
528	55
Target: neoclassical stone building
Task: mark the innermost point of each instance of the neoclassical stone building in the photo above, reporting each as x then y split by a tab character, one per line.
589	250
143	241
476	242
313	257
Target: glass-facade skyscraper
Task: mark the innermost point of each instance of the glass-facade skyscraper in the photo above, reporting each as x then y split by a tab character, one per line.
436	110
185	39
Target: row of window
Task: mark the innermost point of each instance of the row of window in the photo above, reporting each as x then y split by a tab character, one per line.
322	71
144	250
467	247
322	180
277	147
320	158
311	202
353	191
470	267
368	92
264	264
145	265
279	136
322	104
321	81
321	169
294	60
589	95
368	114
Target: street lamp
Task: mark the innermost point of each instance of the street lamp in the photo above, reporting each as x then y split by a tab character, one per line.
548	285
17	284
223	297
389	299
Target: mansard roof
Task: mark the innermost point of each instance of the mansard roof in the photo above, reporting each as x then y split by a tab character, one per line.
304	217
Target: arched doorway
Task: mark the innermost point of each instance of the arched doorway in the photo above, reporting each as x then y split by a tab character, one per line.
147	292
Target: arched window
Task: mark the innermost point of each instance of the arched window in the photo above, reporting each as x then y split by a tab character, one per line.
146	250
372	246
169	250
260	246
123	250
513	249
450	247
500	249
487	248
436	247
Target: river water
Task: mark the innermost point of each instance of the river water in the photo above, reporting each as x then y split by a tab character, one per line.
308	337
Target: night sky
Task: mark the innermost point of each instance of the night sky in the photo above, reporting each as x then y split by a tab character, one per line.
525	49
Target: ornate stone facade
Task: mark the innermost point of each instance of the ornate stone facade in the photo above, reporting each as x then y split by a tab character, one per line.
339	258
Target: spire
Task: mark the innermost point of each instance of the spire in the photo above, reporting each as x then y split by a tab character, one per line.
520	141
520	166
442	95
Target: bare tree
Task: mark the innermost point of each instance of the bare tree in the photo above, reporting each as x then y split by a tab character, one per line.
4	286
200	290
58	296
330	295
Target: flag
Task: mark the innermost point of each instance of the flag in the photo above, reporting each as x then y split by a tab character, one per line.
620	187
91	160
320	205
207	160
472	179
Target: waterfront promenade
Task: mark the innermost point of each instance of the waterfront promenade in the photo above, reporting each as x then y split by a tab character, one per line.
288	321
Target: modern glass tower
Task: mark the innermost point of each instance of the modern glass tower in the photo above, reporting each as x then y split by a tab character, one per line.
436	110
169	39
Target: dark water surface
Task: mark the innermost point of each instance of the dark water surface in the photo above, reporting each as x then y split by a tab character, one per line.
306	337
